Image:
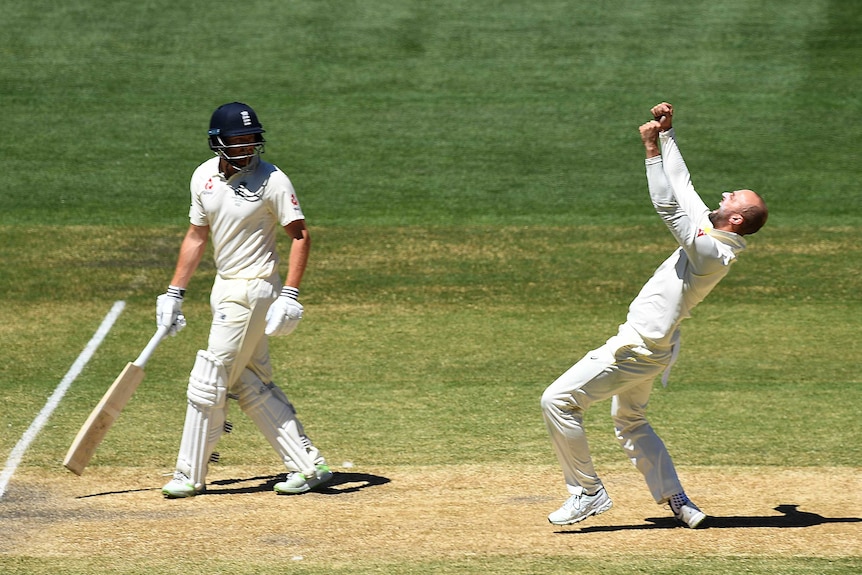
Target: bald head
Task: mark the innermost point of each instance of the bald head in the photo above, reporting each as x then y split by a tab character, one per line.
742	211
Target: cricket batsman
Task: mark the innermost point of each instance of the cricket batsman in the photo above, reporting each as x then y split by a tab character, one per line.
241	202
647	344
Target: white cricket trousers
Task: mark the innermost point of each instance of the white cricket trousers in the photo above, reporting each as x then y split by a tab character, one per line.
624	370
236	336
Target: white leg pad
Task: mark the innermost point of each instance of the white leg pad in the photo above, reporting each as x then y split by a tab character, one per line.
269	408
205	416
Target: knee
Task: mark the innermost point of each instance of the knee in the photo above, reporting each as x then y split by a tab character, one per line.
549	401
626	426
207	381
249	390
252	392
555	403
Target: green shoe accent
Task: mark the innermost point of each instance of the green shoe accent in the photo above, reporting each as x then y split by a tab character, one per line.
296	482
180	486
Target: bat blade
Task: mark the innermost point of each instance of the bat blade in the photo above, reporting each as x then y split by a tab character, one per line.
102	418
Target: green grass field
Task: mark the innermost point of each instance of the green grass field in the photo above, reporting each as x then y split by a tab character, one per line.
473	180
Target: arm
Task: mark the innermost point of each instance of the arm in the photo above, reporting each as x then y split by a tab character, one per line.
169	304
299	250
284	314
660	191
191	252
671	191
680	180
680	193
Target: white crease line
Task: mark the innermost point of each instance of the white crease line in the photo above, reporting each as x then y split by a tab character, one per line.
53	401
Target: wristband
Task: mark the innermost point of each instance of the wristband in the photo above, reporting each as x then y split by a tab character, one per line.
291	292
176	292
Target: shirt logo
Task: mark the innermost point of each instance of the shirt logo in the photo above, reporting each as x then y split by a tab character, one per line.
700	233
293	200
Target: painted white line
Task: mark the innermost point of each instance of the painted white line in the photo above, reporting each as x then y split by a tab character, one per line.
53	401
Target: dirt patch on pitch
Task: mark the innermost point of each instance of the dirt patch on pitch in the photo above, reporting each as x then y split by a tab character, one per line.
434	512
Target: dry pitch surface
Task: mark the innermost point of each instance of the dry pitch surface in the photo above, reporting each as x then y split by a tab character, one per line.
414	513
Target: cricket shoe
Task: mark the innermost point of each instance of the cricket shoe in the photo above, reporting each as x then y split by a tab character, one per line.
181	486
296	482
580	506
686	512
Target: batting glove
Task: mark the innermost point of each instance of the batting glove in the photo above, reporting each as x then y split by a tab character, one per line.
169	312
284	314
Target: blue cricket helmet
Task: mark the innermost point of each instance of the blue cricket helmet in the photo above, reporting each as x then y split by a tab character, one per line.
235	119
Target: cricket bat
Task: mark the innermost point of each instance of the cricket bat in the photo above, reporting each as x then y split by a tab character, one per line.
106	412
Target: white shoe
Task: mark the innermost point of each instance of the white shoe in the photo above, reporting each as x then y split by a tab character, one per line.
580	506
296	482
686	512
181	486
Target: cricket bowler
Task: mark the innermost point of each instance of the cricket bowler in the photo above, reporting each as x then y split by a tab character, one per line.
647	344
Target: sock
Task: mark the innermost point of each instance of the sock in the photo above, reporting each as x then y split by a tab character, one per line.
677	501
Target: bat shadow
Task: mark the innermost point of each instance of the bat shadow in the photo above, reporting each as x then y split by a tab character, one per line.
341	483
791	517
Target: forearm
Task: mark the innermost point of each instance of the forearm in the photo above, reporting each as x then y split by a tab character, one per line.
191	252
300	248
652	149
660	190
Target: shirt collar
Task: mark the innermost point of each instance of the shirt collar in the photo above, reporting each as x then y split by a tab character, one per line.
733	240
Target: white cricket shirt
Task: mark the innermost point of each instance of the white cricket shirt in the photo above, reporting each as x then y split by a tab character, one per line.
244	214
704	257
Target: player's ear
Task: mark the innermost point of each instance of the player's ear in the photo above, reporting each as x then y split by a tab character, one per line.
736	219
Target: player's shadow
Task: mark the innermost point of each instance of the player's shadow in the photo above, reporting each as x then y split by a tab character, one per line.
340	483
790	517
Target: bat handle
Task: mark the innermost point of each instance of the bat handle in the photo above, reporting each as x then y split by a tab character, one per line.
151	346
